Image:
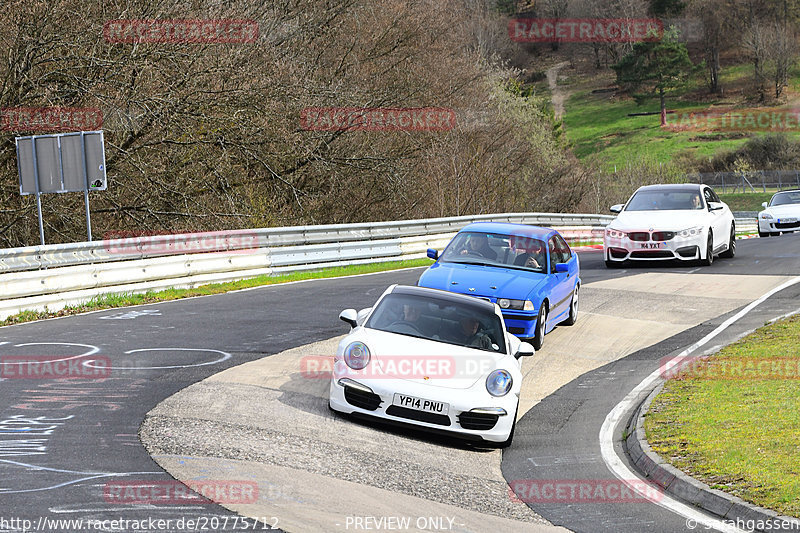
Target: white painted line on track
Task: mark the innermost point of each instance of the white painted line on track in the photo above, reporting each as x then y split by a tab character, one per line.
87	476
92	350
618	466
225	357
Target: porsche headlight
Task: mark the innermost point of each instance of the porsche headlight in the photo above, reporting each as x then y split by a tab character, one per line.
765	216
691	232
356	355
499	383
615	234
507	303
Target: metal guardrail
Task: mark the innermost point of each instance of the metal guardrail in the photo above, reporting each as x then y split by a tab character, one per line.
51	277
142	246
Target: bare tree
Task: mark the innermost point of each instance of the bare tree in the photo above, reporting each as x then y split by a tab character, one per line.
208	136
783	53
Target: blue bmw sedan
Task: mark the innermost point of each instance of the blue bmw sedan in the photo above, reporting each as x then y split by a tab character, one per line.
530	272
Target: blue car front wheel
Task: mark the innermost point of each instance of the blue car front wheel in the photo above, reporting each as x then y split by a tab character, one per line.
573	308
541	326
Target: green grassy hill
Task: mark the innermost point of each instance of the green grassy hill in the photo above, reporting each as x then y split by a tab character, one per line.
600	130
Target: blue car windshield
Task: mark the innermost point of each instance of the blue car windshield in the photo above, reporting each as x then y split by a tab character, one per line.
665	200
439	320
493	249
785	198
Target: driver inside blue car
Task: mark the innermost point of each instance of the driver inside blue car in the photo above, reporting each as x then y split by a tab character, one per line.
478	244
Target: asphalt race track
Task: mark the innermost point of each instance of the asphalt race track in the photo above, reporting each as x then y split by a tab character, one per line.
62	442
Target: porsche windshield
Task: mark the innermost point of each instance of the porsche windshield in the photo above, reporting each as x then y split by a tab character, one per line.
439	320
785	198
666	200
509	251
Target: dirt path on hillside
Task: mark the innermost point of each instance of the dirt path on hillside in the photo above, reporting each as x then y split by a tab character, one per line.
558	95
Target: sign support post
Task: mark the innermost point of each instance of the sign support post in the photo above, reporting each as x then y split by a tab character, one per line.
86	188
38	194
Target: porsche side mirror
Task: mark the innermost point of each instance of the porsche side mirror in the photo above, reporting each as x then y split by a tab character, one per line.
433	254
616	208
350	316
763	204
525	350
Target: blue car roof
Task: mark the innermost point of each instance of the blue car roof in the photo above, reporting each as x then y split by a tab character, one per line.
508	228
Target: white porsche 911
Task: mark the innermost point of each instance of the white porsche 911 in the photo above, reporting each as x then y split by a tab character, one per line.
433	359
677	221
781	214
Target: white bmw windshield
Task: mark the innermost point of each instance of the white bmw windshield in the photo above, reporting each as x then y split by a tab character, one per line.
665	200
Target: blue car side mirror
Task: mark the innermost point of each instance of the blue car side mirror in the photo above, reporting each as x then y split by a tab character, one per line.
433	254
562	267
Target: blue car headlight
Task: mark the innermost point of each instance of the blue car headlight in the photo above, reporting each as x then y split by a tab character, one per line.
356	355
520	305
499	382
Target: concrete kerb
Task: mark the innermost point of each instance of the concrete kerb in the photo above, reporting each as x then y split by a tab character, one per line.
686	488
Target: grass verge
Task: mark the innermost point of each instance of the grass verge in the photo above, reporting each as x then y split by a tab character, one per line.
109	301
746	201
734	423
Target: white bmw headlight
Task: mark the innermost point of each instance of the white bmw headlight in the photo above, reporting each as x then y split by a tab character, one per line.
766	216
615	234
356	355
691	232
499	383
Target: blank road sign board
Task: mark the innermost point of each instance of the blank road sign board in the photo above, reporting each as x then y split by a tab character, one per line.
67	162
